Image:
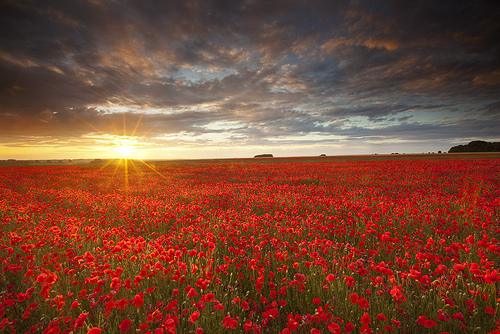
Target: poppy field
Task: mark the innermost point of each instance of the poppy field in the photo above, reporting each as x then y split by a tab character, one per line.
320	245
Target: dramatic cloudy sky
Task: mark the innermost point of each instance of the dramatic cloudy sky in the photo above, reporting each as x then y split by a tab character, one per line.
229	78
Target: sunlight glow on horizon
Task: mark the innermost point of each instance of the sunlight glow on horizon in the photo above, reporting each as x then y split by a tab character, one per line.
125	146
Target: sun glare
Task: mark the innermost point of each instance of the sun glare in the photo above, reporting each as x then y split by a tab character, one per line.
125	146
124	151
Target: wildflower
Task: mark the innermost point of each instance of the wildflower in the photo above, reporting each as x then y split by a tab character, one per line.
229	323
365	319
363	303
192	293
194	316
429	323
459	316
247	327
334	328
138	300
94	330
125	325
350	281
349	327
490	310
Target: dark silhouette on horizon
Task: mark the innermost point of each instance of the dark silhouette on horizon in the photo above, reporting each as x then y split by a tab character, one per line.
476	146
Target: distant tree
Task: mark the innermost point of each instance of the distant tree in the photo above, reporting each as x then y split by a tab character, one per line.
476	146
267	155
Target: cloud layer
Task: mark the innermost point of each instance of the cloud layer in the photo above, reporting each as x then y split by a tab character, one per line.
352	76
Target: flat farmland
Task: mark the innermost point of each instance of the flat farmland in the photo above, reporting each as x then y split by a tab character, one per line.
373	244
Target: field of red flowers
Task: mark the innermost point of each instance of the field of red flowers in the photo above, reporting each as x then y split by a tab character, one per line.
324	245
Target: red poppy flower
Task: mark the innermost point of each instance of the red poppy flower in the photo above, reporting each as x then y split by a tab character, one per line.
192	293
365	319
490	310
429	323
194	316
335	328
247	327
125	325
459	316
350	281
94	330
54	330
363	303
229	323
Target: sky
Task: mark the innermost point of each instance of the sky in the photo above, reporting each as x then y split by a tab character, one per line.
228	78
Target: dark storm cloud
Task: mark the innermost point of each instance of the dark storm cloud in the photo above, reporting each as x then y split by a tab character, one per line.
274	68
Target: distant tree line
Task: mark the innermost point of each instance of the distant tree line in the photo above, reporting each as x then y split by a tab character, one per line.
476	146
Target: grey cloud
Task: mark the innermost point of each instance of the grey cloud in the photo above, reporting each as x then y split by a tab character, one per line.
277	68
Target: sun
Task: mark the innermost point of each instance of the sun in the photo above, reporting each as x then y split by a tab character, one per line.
125	146
125	151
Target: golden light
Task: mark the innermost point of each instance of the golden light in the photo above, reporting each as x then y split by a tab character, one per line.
124	150
125	146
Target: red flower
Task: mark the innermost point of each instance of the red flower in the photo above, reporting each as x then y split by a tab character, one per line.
192	293
334	328
125	325
490	310
74	304
316	301
349	327
247	327
229	323
443	316
363	303
54	330
429	323
80	320
381	317
194	316
365	330
330	278
138	300
208	297
350	281
365	319
94	330
459	316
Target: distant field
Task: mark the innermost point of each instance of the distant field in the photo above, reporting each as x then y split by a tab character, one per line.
338	244
79	162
